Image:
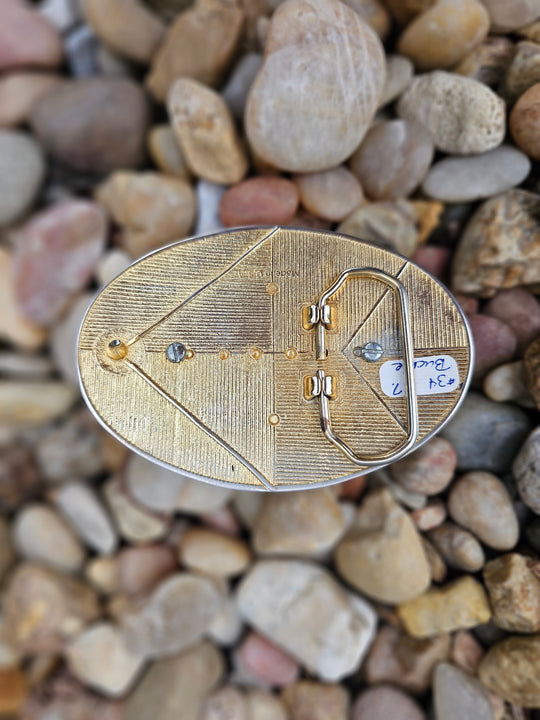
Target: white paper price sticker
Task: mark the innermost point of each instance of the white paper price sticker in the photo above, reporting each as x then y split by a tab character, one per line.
435	374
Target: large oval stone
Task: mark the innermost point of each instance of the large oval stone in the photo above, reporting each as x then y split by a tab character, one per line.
318	88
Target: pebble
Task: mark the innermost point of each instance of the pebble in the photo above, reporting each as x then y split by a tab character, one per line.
389	224
404	661
510	669
488	62
83	509
44	609
430	516
240	80
128	27
259	201
13	691
505	17
464	179
82	47
399	73
460	604
393	159
99	658
507	383
526	471
435	259
208	203
27	404
93	125
7	554
458	547
205	130
151	209
480	502
381	555
135	523
316	701
227	702
63	14
22	171
101	573
494	341
522	72
444	34
466	652
63	338
20	479
111	264
263	705
374	13
457	695
213	553
463	116
14	326
200	44
525	122
385	701
174	617
180	683
55	256
298	523
519	309
140	569
331	194
531	366
165	152
258	659
27	39
160	489
499	248
19	92
514	593
302	608
486	435
41	534
427	470
21	365
227	627
292	102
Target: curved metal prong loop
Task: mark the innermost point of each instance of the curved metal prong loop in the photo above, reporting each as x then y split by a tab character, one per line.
408	360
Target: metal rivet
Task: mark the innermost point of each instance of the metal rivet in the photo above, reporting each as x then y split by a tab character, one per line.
176	352
273	419
272	288
224	354
117	350
291	354
371	352
255	353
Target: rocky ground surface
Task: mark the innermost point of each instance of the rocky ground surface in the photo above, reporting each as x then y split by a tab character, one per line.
129	594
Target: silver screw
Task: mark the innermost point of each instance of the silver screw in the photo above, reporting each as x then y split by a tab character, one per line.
176	352
371	352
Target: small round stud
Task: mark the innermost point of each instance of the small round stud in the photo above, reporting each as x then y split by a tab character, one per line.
117	350
371	352
176	352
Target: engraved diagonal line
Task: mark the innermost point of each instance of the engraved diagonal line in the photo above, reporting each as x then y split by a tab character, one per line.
198	423
202	288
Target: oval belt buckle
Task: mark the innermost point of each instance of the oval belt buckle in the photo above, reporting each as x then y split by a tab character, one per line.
277	359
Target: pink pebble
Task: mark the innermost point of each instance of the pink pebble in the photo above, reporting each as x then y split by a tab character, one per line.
259	201
55	256
430	516
223	519
26	38
520	310
385	702
434	259
351	489
264	661
468	303
494	341
141	568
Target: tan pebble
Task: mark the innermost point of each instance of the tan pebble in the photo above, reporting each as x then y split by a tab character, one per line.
199	44
430	516
24	404
507	383
264	705
406	10
213	553
444	34
525	122
506	17
460	604
100	658
227	702
14	327
401	660
259	201
331	194
298	523
427	470
385	701
374	13
316	701
13	691
390	224
466	652
480	502
19	92
102	573
140	569
206	132
83	509
459	548
165	152
510	669
437	566
128	27
531	31
514	593
399	73
291	104
522	72
135	524
381	555
462	115
227	627
44	608
151	209
392	159
488	62
111	264
428	216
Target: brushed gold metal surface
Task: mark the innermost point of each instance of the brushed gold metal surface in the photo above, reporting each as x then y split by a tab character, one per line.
234	409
